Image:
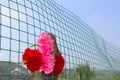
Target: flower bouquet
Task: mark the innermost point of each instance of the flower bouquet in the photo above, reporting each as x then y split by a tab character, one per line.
41	61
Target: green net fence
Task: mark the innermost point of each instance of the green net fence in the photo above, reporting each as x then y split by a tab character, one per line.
85	51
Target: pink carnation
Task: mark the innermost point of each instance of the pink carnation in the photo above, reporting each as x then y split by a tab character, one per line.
45	42
46	47
47	63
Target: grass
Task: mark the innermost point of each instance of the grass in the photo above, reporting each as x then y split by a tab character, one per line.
65	79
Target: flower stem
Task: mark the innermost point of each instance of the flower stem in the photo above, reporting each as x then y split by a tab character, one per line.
34	45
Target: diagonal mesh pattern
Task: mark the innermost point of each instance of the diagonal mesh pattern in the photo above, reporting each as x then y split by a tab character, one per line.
21	21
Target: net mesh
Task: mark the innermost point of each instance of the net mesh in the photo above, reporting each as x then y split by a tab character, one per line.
21	21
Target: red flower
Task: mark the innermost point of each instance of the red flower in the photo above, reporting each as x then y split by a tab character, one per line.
59	64
32	59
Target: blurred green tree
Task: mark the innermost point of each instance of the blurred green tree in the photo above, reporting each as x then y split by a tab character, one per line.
84	72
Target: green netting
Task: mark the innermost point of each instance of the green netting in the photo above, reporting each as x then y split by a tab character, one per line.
21	21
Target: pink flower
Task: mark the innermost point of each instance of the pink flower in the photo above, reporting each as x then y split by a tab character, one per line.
47	63
46	43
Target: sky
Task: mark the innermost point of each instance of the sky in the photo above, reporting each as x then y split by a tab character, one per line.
103	16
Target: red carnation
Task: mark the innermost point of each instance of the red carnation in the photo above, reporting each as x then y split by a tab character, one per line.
32	59
59	64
